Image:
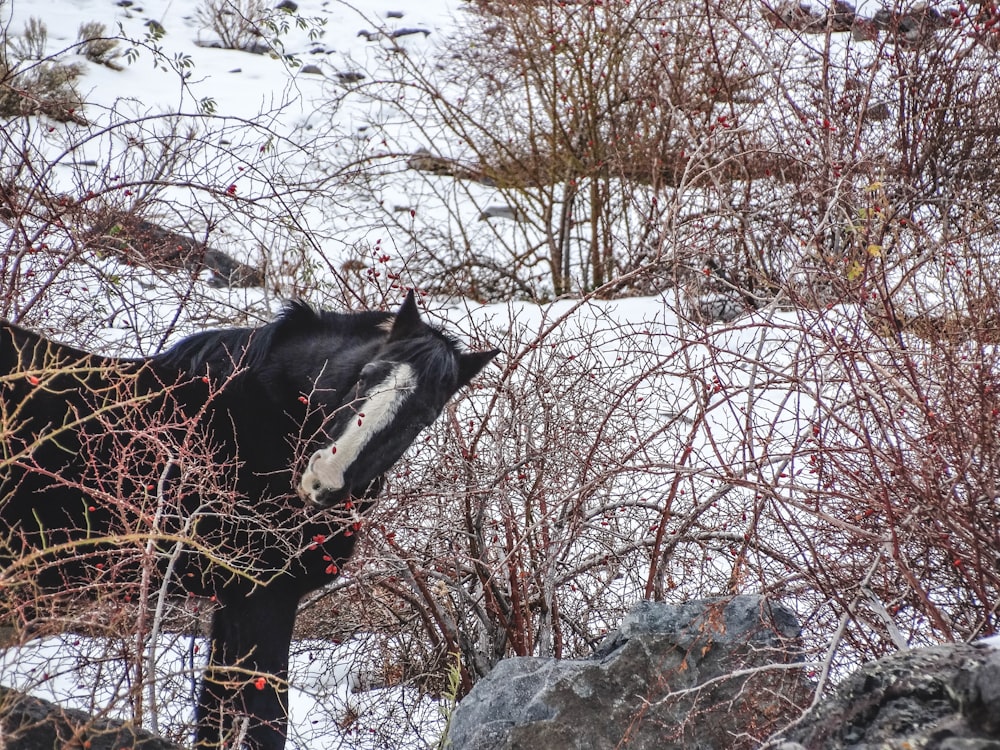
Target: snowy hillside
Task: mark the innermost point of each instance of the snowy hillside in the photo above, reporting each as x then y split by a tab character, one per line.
740	260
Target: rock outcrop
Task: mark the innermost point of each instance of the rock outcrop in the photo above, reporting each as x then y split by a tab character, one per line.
28	723
939	698
705	675
712	673
139	241
724	673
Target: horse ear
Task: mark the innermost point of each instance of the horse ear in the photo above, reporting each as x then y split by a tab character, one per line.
407	322
471	363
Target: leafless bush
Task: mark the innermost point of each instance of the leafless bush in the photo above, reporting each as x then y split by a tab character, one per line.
237	23
253	25
31	43
812	411
98	231
808	454
813	421
42	89
571	474
588	140
140	529
594	140
31	83
96	45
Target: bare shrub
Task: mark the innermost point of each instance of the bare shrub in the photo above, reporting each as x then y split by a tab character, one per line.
32	42
43	89
239	24
797	453
32	83
139	536
96	45
594	140
585	141
816	413
91	244
569	472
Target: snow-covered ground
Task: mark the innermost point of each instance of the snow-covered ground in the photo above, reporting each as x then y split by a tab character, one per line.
214	142
727	408
327	705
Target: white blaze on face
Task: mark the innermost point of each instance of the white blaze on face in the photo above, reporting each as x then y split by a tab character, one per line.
327	467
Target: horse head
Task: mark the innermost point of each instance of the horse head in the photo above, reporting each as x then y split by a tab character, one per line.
400	390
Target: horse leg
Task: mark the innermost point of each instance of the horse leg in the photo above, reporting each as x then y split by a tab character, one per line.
244	693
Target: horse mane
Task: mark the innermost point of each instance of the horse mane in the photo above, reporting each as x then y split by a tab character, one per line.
438	362
222	353
20	335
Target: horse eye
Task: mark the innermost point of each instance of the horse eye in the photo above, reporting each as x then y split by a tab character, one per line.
366	373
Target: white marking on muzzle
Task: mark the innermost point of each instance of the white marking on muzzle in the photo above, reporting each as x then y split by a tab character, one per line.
327	466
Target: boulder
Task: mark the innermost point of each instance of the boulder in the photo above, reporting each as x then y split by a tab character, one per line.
711	673
943	697
28	723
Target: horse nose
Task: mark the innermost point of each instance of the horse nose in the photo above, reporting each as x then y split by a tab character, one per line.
309	482
322	498
326	498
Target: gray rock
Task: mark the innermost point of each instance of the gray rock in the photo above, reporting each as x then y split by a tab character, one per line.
28	723
399	33
664	680
350	76
498	212
939	698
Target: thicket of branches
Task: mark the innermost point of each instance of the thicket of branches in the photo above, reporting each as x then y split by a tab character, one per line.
812	411
811	196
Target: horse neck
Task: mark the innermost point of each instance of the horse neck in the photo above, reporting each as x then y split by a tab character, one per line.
21	350
330	362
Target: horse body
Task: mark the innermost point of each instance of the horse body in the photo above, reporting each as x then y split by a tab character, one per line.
234	465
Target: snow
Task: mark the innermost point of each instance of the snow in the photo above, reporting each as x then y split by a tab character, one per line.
326	698
992	641
741	378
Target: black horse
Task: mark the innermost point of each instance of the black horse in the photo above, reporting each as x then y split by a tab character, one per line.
234	465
